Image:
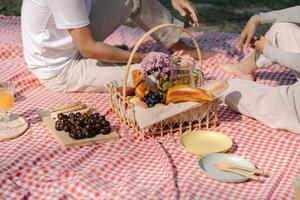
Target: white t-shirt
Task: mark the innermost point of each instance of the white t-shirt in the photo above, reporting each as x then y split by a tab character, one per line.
48	46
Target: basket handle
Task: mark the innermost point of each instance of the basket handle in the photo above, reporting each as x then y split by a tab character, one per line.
139	42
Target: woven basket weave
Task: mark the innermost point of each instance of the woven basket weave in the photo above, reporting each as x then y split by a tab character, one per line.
202	116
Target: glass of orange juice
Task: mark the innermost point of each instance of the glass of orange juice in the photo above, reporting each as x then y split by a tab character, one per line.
6	101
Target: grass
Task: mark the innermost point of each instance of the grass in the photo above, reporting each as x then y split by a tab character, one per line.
215	15
12	7
231	15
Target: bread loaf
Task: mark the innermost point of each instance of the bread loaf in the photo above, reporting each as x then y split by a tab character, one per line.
139	83
185	93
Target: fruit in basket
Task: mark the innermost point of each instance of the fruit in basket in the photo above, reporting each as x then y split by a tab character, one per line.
153	98
130	91
184	93
80	126
140	90
138	102
153	89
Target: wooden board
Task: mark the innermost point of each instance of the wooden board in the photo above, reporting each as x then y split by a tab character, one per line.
64	139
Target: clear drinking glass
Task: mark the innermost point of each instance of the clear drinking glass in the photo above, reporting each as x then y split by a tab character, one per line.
6	102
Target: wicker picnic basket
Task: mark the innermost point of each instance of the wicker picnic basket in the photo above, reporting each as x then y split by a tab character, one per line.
200	117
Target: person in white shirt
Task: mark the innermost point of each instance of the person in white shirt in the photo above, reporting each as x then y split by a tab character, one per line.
62	39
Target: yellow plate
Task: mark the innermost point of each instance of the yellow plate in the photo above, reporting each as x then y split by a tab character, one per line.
205	142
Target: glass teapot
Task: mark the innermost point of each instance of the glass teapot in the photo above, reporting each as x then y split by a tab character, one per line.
187	71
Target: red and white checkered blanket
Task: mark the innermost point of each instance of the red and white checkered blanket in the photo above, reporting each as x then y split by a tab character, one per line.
35	166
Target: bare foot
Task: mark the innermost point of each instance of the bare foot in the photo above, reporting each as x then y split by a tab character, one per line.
204	54
244	70
238	70
180	46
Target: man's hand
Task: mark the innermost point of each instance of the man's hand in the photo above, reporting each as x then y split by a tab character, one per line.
249	31
261	44
182	6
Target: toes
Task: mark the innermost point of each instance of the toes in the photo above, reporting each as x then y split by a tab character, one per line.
227	67
235	70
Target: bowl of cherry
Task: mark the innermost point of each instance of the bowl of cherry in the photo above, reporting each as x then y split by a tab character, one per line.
81	126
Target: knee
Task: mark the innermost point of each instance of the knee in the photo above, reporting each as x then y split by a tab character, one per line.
281	32
281	28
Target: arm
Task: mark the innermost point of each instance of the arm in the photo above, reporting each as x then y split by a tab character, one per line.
249	31
72	15
90	48
286	15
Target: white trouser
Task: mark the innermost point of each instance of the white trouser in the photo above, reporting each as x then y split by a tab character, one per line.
285	36
276	107
90	75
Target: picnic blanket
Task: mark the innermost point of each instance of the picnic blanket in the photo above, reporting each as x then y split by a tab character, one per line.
35	166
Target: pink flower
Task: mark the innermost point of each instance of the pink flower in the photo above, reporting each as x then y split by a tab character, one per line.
155	63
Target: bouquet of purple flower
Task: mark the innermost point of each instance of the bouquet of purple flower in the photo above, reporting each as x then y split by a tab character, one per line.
160	68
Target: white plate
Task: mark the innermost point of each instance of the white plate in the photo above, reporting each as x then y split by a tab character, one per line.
19	126
207	164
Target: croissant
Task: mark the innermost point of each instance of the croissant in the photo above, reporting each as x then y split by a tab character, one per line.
139	83
184	93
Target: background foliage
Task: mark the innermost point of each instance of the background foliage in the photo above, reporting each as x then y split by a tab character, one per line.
215	15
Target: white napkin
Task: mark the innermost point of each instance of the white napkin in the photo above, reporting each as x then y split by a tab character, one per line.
147	117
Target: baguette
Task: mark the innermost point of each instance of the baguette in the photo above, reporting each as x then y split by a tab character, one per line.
185	93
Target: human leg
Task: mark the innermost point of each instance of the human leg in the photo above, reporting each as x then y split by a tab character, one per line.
287	39
144	13
88	75
107	16
281	35
276	107
153	13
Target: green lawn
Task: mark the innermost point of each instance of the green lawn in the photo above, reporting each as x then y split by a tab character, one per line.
215	15
231	15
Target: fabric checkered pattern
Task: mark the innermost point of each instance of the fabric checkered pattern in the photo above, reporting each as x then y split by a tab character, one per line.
35	166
